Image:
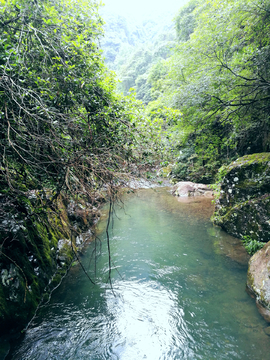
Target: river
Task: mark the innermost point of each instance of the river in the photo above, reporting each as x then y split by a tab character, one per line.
178	292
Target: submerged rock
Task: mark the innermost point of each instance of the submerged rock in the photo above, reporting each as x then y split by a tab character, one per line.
188	188
229	246
243	208
258	280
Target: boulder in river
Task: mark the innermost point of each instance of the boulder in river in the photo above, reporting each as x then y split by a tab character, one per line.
188	188
258	280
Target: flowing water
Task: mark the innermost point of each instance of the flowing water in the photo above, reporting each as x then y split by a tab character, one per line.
178	292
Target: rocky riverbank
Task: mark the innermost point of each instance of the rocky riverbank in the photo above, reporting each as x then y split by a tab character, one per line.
41	240
243	210
258	280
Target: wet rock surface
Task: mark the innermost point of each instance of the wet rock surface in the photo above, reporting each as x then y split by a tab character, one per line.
267	330
243	208
229	246
258	280
36	253
188	188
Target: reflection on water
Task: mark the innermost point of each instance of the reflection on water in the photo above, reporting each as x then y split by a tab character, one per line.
144	324
179	293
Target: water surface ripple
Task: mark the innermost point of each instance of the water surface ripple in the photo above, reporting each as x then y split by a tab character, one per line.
179	293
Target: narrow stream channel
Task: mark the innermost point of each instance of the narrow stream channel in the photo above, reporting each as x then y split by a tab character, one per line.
179	292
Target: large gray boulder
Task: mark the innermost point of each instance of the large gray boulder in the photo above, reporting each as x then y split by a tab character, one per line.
243	207
258	281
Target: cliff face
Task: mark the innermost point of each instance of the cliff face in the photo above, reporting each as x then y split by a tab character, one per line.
243	208
37	248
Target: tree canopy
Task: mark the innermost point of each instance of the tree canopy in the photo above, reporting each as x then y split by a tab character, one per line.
62	125
63	129
218	77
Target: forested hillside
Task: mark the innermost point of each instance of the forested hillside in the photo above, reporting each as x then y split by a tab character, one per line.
215	71
58	105
219	78
131	47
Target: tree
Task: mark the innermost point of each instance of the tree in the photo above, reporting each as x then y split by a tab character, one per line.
185	21
64	133
61	125
219	78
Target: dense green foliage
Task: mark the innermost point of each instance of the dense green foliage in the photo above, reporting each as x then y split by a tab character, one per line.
62	126
135	72
53	80
122	35
216	73
252	246
185	21
199	98
219	78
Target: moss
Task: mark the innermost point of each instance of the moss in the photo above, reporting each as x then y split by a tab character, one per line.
30	244
250	279
249	218
243	205
32	249
247	160
56	279
258	162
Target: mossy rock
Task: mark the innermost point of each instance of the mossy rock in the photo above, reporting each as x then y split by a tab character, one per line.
243	207
32	262
245	178
250	218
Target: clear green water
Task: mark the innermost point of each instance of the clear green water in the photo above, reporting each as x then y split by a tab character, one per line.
179	293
